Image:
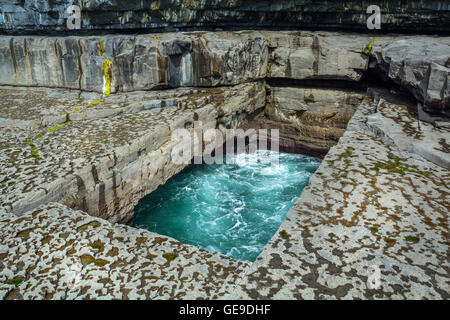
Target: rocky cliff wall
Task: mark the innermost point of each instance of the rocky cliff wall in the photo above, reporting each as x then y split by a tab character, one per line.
168	15
419	64
310	120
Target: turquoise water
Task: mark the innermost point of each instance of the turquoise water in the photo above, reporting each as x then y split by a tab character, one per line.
232	208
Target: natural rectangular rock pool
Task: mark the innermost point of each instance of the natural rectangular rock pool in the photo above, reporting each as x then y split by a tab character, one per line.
232	208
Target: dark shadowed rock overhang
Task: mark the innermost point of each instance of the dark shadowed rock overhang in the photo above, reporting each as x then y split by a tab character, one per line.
49	16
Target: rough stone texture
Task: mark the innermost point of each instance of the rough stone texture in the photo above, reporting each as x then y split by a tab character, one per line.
310	120
60	253
50	15
138	62
318	55
396	126
105	156
379	198
368	204
419	64
179	59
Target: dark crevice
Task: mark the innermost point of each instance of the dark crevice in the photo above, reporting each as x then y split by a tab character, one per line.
442	30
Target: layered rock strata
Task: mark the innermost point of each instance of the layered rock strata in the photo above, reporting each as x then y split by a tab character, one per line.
310	120
50	16
418	64
379	197
103	156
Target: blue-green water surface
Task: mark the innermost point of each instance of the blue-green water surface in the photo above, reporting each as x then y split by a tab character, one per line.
232	208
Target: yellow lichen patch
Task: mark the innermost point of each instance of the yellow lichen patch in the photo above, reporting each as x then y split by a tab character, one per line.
34	151
94	224
170	257
369	46
53	129
284	234
107	75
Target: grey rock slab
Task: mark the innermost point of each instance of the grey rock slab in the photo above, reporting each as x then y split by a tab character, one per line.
394	123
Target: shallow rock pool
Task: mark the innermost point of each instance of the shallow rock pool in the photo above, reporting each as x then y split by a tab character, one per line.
233	208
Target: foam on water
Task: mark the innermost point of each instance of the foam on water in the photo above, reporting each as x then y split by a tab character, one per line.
232	208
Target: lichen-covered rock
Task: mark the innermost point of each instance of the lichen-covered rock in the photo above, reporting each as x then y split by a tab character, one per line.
103	156
53	252
395	125
371	204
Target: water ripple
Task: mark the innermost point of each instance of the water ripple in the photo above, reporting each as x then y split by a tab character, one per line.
232	208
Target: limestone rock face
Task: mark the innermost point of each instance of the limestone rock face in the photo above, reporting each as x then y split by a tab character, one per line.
178	60
394	124
51	15
137	62
369	204
67	254
421	65
317	56
103	156
310	120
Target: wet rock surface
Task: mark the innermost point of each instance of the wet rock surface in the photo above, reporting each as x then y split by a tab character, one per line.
166	15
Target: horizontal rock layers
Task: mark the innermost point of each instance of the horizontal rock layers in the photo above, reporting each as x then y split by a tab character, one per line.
310	120
418	64
379	197
165	15
104	172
